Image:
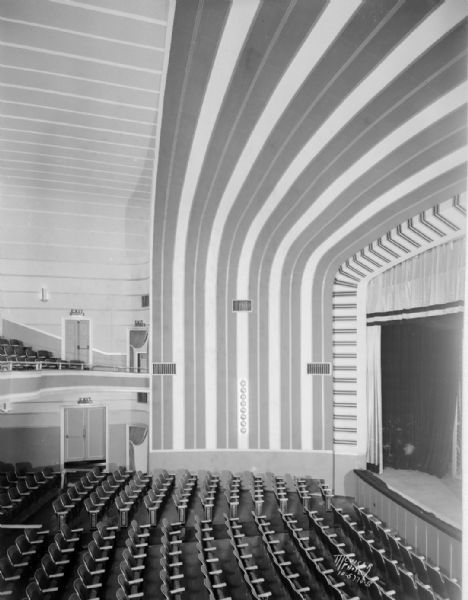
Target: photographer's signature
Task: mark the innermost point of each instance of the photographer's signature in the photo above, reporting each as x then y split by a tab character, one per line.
353	569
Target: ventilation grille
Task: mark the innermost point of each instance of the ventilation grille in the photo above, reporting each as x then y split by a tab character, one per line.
142	397
145	301
164	368
241	305
318	368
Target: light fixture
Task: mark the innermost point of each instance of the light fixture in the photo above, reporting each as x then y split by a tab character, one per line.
44	294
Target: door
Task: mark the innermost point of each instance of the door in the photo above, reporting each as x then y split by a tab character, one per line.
85	433
77	339
96	433
74	434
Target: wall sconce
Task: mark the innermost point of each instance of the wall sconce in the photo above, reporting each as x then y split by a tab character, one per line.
5	407
44	294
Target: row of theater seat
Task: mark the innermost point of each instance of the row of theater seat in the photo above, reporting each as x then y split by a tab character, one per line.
22	492
294	552
15	355
355	552
315	554
382	570
247	563
157	495
403	565
287	569
213	578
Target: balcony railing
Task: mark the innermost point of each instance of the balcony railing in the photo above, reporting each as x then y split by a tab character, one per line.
8	366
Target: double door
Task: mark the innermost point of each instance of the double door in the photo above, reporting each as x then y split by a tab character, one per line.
77	340
85	433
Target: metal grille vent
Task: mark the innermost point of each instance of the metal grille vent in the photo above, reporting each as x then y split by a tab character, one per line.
318	368
164	368
145	301
241	305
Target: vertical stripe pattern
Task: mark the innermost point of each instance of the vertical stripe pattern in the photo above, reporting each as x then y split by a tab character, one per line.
296	136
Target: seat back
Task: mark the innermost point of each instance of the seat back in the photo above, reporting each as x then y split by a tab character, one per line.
33	591
90	507
24	546
89	562
7	571
425	592
453	588
80	589
85	576
120	594
41	579
15	558
48	565
407	582
61	542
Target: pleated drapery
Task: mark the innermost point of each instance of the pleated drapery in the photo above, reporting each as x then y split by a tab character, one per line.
137	435
374	400
434	278
138	338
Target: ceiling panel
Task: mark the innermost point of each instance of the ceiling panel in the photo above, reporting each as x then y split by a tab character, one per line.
80	99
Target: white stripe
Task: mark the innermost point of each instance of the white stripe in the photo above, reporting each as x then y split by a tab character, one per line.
81	201
31	88
78	183
42	188
81	33
109	11
151	358
68	76
74	137
76	112
435	26
242	321
80	57
74	148
331	21
71	177
90	216
61	166
237	26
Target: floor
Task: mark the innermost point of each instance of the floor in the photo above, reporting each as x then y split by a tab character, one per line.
439	496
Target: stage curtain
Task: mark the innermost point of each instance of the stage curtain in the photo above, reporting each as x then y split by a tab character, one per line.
421	374
374	400
434	277
137	435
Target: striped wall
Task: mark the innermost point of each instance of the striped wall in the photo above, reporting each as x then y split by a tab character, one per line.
81	88
295	133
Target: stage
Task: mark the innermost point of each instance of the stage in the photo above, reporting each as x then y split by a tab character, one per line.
442	497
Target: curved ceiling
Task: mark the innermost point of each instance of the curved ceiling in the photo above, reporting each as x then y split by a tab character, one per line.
81	88
291	131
